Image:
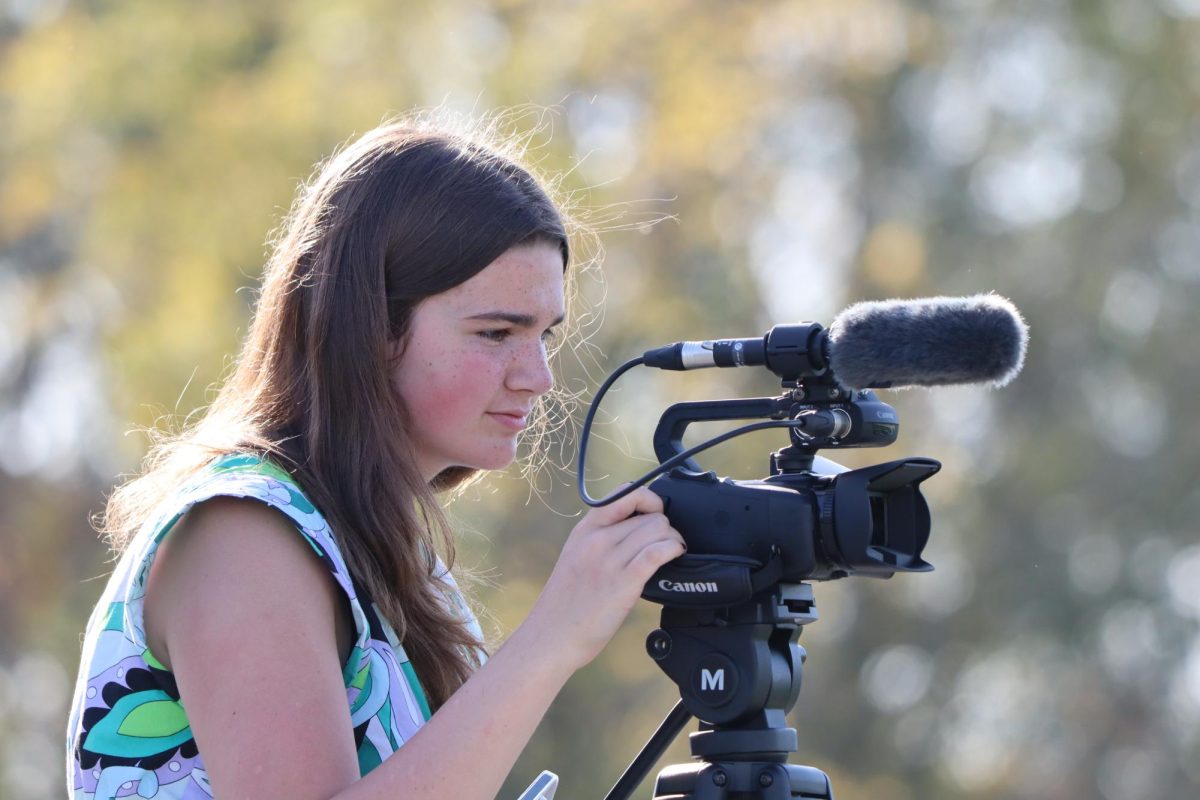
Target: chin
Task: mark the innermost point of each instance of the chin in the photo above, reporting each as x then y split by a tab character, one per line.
496	459
499	463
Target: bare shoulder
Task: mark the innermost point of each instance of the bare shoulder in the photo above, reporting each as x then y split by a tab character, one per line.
233	560
248	618
233	529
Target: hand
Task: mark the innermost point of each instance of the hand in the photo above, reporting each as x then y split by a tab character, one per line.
600	574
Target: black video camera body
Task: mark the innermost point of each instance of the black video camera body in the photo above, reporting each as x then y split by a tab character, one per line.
804	522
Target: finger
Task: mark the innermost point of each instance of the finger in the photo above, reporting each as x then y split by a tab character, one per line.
639	501
653	555
632	547
611	538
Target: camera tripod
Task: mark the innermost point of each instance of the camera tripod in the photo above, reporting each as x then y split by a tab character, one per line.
739	671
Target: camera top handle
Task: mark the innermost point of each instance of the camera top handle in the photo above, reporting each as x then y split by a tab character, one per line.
668	436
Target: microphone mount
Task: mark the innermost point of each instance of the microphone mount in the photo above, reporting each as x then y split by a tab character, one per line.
797	351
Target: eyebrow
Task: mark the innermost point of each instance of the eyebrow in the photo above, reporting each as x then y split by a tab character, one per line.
520	320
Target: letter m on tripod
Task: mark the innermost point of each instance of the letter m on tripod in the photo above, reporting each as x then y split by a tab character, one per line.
712	681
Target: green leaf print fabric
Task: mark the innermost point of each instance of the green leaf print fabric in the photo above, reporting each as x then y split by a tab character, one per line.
129	735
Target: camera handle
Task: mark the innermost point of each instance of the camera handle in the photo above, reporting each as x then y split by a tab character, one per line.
819	415
668	436
739	670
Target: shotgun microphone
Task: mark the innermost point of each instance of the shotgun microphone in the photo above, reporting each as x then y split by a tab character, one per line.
936	341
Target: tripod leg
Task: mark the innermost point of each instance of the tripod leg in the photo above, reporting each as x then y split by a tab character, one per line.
640	768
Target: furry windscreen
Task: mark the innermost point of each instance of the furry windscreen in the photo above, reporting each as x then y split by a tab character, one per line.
936	341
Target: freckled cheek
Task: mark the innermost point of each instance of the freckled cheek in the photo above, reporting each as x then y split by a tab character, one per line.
460	385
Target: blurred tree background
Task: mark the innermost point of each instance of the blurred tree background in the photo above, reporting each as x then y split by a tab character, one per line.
810	153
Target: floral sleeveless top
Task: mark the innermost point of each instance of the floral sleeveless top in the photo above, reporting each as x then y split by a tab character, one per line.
129	735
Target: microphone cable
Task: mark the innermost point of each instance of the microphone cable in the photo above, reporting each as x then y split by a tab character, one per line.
665	466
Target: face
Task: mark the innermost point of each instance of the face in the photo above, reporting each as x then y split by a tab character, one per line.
474	361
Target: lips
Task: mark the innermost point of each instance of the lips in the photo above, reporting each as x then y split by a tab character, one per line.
513	420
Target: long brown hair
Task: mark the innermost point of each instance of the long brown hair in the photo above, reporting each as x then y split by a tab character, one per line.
409	210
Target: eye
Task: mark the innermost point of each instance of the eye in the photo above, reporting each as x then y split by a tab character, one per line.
549	335
495	335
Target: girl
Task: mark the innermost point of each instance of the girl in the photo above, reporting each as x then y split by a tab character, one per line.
279	624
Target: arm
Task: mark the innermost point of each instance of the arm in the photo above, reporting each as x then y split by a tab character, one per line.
282	727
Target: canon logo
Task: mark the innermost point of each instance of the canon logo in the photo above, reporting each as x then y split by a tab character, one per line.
688	586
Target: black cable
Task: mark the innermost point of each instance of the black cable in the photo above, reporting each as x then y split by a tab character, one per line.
665	466
587	430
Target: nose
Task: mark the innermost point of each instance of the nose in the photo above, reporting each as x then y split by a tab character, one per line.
530	370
